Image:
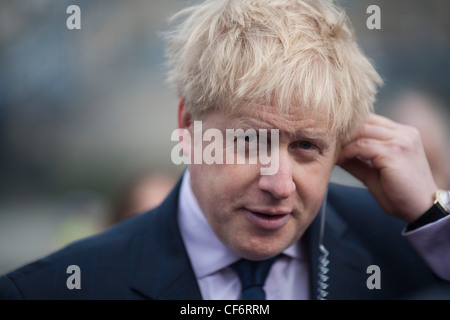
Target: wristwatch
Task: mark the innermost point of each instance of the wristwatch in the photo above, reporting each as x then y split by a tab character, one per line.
442	199
439	210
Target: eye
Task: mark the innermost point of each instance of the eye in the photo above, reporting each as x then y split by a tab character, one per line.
248	138
305	145
251	138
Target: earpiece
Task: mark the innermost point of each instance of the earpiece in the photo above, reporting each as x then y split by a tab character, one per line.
323	259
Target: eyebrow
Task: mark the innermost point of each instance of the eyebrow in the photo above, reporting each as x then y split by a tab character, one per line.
310	132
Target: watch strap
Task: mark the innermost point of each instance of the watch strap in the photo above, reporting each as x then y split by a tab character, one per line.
435	213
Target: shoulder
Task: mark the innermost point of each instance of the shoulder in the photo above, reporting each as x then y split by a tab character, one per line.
349	196
370	232
368	225
43	278
359	208
104	258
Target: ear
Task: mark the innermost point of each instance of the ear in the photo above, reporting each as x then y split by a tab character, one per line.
184	128
184	116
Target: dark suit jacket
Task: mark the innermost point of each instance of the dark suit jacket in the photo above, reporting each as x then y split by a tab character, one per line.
145	258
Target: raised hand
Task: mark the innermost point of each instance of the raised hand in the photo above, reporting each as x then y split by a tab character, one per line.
389	159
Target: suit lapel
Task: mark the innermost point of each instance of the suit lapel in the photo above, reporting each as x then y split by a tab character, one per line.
347	261
163	270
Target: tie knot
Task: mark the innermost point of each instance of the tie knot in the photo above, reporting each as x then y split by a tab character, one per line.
252	275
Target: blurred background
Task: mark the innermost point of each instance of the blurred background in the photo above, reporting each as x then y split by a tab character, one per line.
86	115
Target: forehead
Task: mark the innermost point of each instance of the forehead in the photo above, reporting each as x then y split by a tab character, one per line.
292	123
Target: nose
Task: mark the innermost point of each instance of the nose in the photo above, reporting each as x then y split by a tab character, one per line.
281	184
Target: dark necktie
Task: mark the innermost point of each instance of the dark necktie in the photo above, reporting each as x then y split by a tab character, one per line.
253	275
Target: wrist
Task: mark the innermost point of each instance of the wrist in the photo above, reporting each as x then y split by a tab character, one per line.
432	215
419	206
439	209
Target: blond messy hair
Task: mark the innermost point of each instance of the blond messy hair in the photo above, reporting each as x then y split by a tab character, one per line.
297	54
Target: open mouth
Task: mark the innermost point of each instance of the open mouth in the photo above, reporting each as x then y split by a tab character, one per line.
268	221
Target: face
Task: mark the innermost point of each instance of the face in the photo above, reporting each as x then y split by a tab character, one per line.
258	216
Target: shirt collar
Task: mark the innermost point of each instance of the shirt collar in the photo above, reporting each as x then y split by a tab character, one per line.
207	253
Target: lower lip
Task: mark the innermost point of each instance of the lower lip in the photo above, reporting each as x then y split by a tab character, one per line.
267	222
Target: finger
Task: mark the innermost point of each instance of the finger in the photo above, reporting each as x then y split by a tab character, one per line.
371	151
376	127
378	132
364	148
376	119
360	169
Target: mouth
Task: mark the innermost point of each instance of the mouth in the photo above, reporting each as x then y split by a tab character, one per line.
268	220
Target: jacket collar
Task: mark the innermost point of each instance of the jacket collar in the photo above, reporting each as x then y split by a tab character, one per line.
163	268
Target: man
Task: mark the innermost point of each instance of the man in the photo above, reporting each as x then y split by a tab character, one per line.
293	67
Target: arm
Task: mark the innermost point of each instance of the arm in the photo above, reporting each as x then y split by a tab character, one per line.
390	160
432	242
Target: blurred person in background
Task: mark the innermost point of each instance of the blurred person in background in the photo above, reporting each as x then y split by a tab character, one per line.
141	193
292	66
427	114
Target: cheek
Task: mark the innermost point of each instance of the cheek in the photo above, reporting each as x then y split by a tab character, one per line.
312	182
220	188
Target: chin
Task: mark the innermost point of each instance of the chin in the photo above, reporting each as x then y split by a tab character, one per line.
261	250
